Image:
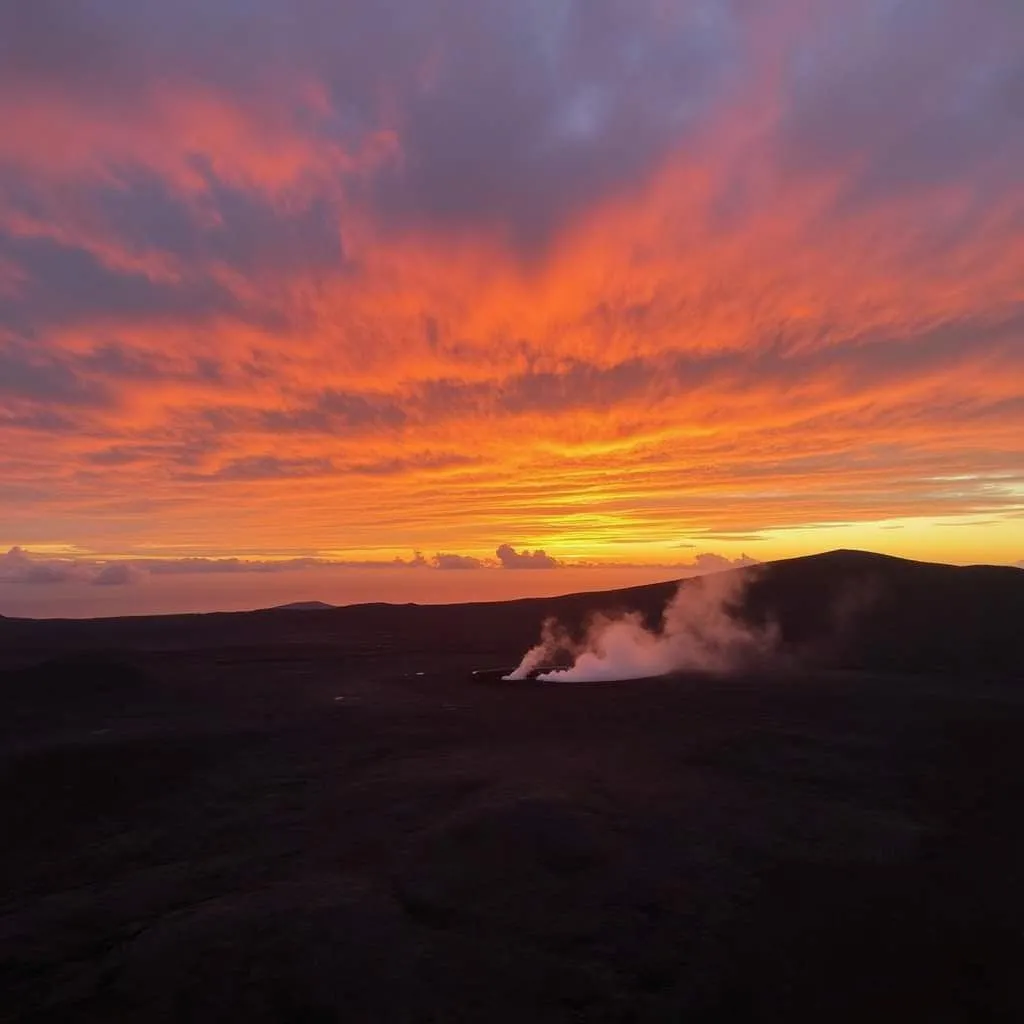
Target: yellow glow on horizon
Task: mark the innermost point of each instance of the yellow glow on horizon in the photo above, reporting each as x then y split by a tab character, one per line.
605	542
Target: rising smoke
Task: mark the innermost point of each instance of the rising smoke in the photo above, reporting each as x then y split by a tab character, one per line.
700	630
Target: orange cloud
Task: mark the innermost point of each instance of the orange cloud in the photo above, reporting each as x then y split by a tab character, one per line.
322	309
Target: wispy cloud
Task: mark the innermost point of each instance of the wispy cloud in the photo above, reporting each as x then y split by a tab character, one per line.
428	276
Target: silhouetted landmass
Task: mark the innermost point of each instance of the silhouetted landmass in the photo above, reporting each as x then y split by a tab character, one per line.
303	606
323	815
842	609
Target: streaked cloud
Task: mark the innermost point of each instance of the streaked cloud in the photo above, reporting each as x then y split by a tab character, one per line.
601	276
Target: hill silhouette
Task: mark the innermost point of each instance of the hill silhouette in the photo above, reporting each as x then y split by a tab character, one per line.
841	609
303	606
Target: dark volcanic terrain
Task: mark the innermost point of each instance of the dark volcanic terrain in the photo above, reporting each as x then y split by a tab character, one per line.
322	814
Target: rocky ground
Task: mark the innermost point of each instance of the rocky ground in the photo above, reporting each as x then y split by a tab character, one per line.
356	830
192	840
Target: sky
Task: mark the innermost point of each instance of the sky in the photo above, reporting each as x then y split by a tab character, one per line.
332	287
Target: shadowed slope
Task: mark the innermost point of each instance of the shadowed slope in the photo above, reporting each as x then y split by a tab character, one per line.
841	609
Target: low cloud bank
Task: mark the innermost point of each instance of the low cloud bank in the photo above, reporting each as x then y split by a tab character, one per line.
448	560
19	565
512	559
700	630
117	574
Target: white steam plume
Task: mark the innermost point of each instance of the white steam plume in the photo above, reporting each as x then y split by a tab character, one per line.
699	632
553	639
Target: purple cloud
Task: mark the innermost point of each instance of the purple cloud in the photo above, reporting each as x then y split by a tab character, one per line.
117	574
509	558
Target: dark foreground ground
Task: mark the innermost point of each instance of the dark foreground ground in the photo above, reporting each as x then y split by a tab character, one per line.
275	832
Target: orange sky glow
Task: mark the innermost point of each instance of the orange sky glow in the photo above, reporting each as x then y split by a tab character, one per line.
626	283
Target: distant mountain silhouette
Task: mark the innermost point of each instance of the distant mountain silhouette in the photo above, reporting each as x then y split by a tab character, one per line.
841	609
303	606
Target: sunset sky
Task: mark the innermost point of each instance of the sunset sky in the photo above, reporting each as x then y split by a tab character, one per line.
652	285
